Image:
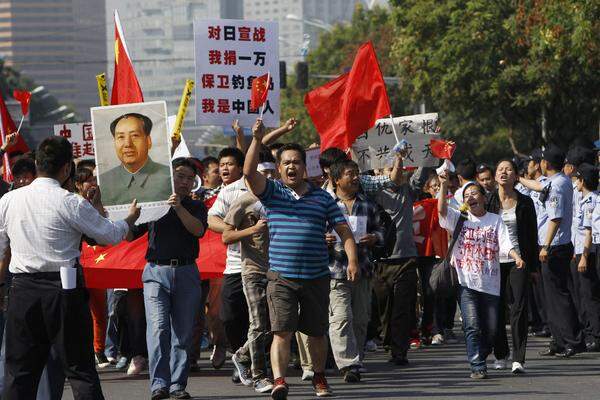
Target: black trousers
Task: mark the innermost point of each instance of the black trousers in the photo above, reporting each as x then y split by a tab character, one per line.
575	290
513	293
42	315
131	322
200	322
589	285
425	266
396	288
561	311
234	311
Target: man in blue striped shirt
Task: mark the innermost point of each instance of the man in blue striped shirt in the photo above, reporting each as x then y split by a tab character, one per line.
298	215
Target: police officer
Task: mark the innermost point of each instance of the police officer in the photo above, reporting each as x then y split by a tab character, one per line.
536	185
555	254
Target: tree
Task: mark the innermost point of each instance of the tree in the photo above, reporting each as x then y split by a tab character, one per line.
493	68
334	55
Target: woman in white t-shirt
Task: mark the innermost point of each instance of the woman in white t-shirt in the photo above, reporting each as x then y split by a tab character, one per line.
483	240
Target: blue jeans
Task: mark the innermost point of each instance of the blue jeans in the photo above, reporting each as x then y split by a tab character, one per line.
479	313
171	298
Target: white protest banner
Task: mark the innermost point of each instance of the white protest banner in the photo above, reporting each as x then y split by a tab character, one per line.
373	149
313	168
230	54
81	137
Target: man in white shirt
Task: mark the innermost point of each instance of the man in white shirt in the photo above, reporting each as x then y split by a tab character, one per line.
48	307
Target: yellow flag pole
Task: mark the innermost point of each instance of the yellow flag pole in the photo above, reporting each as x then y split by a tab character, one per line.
183	105
102	89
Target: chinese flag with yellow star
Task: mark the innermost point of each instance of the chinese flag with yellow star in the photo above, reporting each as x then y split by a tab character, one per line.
260	91
126	88
121	266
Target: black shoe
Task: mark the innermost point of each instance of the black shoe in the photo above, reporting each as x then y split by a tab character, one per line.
351	375
567	353
195	366
235	377
592	347
541	333
159	394
399	360
549	352
180	394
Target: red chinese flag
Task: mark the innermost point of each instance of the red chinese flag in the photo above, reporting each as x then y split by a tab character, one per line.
7	126
430	238
126	88
260	91
121	266
442	149
23	97
346	107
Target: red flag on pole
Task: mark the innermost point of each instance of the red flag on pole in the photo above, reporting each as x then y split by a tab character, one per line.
7	126
346	107
126	88
260	91
442	149
23	97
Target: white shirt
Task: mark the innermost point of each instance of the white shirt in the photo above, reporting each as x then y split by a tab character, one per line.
481	243
509	217
225	199
42	224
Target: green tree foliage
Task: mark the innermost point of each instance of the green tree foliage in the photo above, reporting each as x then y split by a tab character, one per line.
493	68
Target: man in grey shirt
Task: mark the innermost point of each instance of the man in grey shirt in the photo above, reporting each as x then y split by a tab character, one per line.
395	280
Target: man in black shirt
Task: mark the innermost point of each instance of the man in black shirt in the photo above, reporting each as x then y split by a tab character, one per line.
172	284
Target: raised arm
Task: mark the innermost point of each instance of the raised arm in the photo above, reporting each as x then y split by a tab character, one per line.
275	134
532	184
442	205
240	140
255	181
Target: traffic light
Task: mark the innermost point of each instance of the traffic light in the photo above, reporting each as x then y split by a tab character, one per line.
282	75
302	75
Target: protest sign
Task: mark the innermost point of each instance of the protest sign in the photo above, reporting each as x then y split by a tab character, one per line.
229	55
373	149
81	137
313	168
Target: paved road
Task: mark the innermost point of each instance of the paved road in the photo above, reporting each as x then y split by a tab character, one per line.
434	373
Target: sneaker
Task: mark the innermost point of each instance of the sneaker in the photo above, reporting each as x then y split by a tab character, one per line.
218	356
362	370
112	360
415	344
479	375
101	360
280	389
243	371
518	368
122	363
180	394
235	376
321	386
500	364
437	340
159	394
370	346
263	385
136	366
307	374
351	375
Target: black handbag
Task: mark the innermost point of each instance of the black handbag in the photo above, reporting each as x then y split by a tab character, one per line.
443	277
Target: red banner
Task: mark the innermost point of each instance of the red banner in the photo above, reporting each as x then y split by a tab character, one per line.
121	266
431	239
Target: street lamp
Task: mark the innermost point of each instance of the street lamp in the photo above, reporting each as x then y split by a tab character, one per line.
311	22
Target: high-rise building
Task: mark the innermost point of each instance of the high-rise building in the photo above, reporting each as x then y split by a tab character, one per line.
160	40
58	43
300	21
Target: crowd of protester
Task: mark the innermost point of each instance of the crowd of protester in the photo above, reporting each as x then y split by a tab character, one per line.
319	272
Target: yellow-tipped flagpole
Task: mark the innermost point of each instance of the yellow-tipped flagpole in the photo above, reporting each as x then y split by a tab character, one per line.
102	89
183	105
